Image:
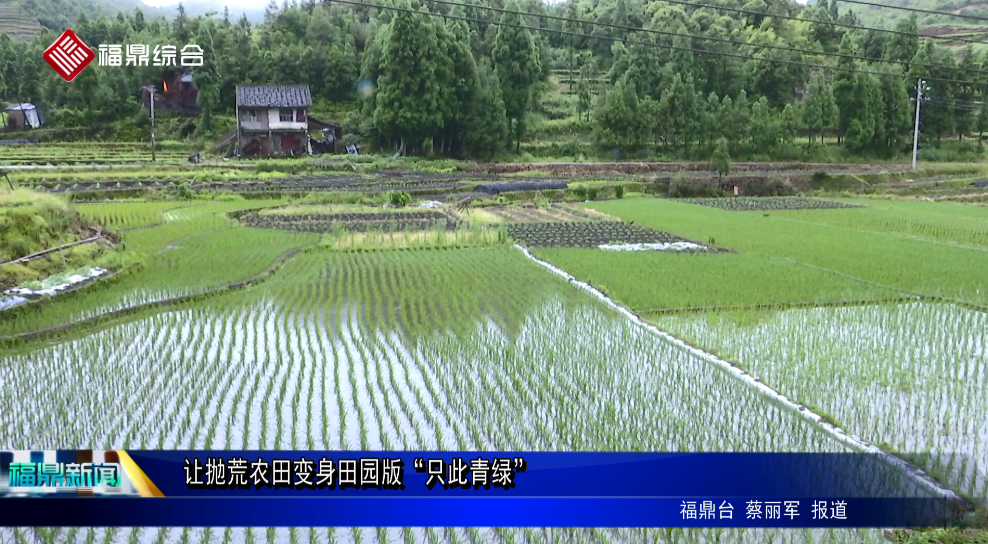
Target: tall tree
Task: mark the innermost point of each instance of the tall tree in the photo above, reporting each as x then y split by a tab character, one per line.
517	62
764	127
208	76
965	93
721	159
819	107
409	96
618	121
6	65
897	118
865	131
461	90
679	110
788	124
487	125
180	26
139	23
845	86
584	91
822	29
903	46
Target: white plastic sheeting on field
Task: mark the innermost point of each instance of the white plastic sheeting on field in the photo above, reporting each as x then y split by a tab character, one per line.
675	246
46	288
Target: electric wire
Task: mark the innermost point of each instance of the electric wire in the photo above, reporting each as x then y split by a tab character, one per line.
693	36
919	10
834	23
649	44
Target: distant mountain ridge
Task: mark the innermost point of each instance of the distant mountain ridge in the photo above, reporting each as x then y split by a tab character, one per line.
932	24
26	18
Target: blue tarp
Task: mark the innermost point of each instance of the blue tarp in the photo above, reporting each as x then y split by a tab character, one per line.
498	188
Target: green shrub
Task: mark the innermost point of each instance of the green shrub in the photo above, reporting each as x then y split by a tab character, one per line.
399	199
541	201
775	185
185	192
349	139
619	191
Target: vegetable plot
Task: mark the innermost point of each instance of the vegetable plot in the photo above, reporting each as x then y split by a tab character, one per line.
587	234
352	222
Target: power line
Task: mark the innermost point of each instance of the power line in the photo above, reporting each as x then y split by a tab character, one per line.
649	44
692	36
936	105
919	10
958	104
834	23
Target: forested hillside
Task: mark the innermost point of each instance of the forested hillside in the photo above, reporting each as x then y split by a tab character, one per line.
25	18
17	16
667	77
974	8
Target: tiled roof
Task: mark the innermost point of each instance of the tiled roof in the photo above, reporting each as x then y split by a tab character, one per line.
273	96
20	107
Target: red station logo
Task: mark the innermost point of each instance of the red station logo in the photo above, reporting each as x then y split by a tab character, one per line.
68	55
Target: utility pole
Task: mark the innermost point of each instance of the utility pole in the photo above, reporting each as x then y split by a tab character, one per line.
919	100
150	89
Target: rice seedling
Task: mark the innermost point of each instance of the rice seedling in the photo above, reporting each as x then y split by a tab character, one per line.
203	258
946	222
656	280
910	376
466	349
882	257
768	203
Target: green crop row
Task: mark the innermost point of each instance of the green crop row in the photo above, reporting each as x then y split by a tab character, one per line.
928	265
909	376
665	280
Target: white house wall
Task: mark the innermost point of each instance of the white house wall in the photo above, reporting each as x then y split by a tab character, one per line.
274	122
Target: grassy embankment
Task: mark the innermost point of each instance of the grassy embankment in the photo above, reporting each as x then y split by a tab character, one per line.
31	223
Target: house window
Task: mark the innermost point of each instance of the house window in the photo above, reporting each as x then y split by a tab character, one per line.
286	115
251	115
300	116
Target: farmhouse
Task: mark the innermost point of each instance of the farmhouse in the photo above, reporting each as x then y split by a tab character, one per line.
272	119
180	95
19	116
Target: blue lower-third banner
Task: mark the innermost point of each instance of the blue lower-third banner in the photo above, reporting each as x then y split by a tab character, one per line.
464	489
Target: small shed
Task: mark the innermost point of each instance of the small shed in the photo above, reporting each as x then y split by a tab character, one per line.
21	116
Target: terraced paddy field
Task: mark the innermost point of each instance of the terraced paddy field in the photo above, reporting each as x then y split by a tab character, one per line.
356	350
913	377
912	248
873	316
196	249
485	349
75	154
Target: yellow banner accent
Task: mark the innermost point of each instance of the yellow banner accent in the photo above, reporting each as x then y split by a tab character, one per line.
143	484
